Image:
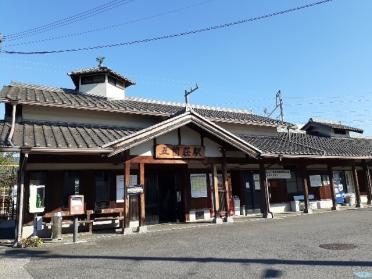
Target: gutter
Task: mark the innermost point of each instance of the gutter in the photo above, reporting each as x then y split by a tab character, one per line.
10	136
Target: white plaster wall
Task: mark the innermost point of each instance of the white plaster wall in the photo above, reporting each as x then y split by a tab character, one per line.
145	149
190	136
169	138
104	89
280	207
212	149
115	93
41	113
98	89
248	129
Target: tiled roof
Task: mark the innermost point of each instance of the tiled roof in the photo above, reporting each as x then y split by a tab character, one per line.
95	70
303	144
59	97
61	135
78	136
333	125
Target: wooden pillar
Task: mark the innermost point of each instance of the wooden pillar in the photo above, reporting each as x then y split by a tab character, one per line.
226	185
20	198
356	186
307	208
126	197
142	214
331	184
216	198
264	192
368	180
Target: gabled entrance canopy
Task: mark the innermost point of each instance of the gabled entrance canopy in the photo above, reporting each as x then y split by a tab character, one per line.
189	116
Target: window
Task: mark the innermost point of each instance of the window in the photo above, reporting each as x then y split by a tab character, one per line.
102	180
198	183
93	79
71	186
120	185
339	131
115	82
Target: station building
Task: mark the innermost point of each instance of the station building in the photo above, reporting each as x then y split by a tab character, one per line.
192	162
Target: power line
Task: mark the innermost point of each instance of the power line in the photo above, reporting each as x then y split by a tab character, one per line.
108	27
181	34
66	21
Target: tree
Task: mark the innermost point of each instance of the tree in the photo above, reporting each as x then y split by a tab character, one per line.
8	178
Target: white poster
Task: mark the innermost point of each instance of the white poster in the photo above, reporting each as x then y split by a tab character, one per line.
257	185
198	185
120	188
278	174
315	181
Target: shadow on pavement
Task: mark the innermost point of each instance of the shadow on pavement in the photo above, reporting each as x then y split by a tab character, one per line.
42	254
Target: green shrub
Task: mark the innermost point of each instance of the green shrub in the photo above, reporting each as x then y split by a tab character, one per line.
32	241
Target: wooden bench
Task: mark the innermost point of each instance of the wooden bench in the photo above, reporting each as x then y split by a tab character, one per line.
67	214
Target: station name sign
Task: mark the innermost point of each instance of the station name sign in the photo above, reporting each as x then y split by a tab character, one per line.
168	151
278	174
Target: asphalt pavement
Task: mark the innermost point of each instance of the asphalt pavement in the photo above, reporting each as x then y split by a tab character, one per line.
274	248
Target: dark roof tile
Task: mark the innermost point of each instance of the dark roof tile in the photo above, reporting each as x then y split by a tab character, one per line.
61	135
41	95
304	144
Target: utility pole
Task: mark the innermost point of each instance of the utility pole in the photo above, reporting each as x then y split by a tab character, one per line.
187	93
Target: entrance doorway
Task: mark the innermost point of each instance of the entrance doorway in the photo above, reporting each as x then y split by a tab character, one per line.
252	187
163	195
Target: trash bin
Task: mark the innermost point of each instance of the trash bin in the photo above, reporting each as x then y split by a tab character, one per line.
57	226
236	205
350	199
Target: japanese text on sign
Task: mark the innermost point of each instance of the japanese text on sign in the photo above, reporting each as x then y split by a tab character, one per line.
167	151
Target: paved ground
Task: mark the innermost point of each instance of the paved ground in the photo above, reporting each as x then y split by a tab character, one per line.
250	248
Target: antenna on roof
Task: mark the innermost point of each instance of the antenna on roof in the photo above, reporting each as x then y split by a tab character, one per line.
278	104
100	60
187	93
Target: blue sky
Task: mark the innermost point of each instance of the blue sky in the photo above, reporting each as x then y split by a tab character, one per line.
320	58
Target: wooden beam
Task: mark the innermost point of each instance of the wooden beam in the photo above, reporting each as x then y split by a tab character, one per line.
226	184
264	191
152	160
126	197
367	174
306	190
215	192
356	186
142	214
331	184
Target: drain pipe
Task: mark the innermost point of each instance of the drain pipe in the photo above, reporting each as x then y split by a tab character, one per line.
14	110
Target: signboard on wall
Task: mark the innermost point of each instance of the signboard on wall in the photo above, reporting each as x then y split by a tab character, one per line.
315	181
120	186
278	174
199	188
36	199
168	151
